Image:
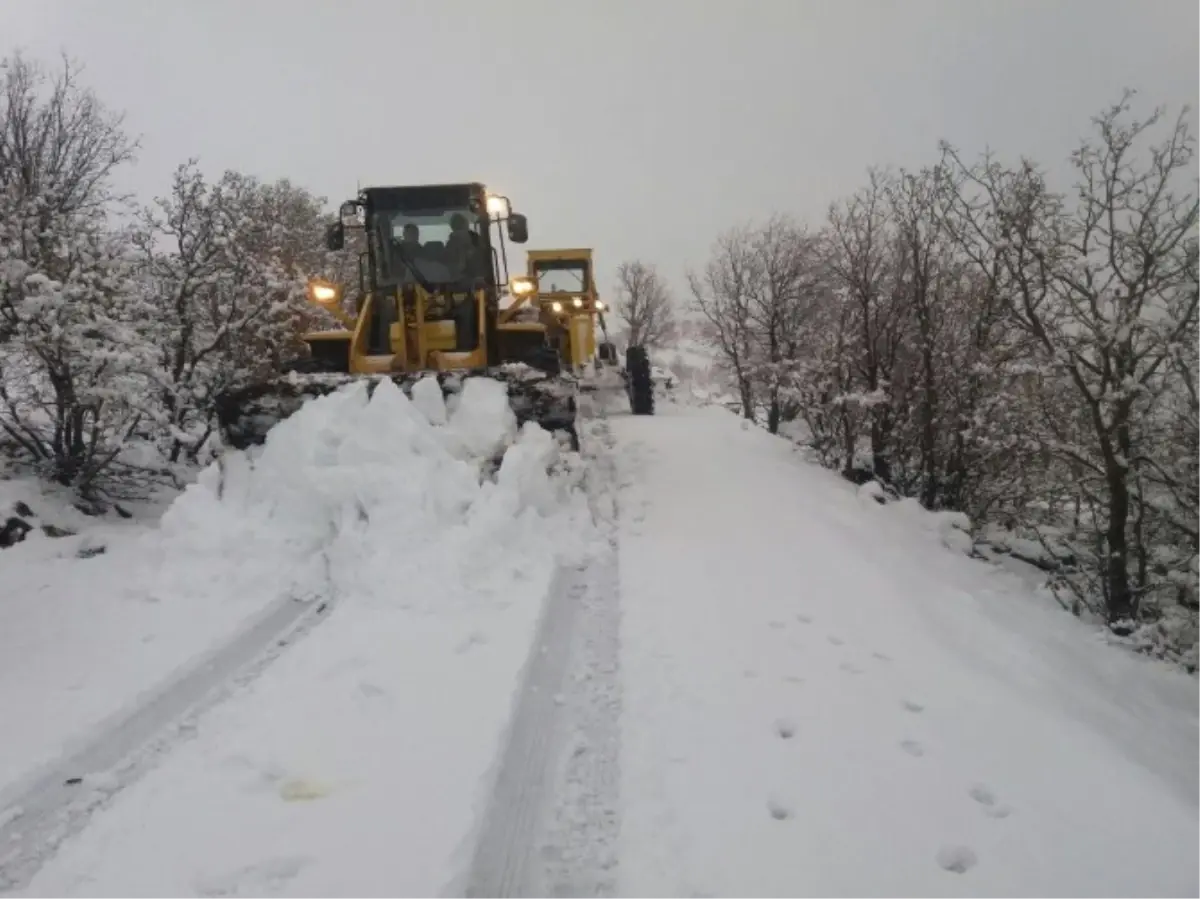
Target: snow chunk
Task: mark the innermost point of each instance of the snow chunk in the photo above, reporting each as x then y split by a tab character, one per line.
482	420
427	397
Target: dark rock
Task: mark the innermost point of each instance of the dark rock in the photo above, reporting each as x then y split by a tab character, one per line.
13	531
51	530
23	510
88	552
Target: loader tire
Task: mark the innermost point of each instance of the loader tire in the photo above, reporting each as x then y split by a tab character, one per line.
641	385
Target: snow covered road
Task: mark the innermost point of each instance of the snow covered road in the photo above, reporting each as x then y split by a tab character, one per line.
699	667
821	699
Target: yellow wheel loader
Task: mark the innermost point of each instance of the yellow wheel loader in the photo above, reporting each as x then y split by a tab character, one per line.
431	283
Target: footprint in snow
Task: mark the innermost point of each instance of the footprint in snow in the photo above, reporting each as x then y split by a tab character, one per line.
475	638
371	691
793	679
777	625
913	748
785	728
804	619
883	657
836	640
915	707
957	859
850	668
263	878
987	799
779	809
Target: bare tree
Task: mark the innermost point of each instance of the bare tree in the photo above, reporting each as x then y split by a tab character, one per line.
723	294
644	304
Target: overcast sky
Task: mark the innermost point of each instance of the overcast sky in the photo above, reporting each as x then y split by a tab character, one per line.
637	127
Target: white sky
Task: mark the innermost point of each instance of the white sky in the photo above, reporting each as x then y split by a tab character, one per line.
637	127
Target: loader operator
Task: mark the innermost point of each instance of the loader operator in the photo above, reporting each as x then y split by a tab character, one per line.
462	253
462	247
411	240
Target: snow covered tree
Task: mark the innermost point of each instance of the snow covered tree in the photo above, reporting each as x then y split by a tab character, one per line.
862	259
226	265
644	304
1106	288
71	376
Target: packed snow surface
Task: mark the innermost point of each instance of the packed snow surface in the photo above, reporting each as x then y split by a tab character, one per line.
824	697
357	762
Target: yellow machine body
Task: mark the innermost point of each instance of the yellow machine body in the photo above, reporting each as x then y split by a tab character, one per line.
568	303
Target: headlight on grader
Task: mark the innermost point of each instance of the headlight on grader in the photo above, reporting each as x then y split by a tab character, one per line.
600	307
556	306
522	286
578	301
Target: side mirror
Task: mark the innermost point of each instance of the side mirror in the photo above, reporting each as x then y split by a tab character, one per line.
335	237
518	228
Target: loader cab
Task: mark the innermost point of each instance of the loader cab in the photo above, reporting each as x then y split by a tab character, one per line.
443	235
430	273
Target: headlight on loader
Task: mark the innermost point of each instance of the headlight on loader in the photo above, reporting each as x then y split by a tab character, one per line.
556	306
522	286
323	293
600	307
497	205
578	302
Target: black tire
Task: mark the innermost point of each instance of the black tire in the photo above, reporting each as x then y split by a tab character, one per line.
641	385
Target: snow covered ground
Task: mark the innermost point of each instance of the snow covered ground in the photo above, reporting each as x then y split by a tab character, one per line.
821	698
359	760
83	629
766	684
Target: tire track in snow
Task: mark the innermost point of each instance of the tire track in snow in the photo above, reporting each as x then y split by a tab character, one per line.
503	863
550	826
42	811
580	849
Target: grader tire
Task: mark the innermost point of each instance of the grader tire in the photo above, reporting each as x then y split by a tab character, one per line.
641	386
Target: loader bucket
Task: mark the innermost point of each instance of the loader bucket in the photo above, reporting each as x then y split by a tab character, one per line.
247	414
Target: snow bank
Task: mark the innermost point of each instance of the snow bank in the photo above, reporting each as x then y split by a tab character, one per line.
390	713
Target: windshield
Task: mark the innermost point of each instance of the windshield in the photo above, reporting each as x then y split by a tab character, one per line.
444	245
561	275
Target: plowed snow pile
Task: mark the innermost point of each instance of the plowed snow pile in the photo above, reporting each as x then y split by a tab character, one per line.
355	762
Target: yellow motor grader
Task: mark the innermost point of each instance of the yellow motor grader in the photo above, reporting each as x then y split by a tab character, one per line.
431	280
561	294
